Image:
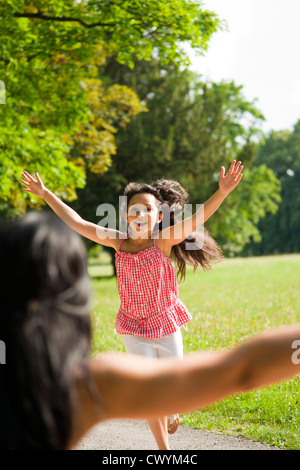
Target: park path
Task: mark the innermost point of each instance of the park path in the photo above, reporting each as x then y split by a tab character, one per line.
136	435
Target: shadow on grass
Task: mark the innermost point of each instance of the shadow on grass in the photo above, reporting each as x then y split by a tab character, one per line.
100	271
103	277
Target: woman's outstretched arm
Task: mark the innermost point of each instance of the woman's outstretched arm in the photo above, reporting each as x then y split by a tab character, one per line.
135	387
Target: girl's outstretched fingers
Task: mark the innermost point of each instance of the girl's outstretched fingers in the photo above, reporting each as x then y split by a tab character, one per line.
34	186
238	170
229	181
38	178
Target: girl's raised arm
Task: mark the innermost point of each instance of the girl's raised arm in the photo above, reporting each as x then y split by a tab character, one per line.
183	229
98	234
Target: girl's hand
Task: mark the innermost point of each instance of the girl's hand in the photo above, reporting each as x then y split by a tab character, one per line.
228	182
35	187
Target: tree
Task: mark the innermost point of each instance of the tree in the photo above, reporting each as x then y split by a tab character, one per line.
56	105
190	130
281	231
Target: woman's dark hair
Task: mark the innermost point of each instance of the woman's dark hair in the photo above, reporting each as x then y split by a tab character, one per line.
199	248
45	325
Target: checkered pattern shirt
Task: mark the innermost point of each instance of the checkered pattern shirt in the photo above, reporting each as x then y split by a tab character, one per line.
148	291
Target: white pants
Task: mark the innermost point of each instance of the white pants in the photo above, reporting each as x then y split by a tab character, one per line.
169	346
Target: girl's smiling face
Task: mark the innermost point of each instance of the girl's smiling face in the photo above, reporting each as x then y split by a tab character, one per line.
143	214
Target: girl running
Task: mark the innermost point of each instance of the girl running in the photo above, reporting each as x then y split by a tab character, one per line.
151	314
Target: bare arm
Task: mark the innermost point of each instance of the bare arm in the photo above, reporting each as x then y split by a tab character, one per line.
137	387
180	231
98	234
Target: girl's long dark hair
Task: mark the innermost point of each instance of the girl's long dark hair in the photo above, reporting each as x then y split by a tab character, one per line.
204	250
45	325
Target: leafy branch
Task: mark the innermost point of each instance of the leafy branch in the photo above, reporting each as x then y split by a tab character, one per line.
42	16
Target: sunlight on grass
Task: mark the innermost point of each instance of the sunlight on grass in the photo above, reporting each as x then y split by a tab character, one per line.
237	299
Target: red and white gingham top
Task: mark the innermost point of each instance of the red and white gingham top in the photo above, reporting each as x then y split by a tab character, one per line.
148	291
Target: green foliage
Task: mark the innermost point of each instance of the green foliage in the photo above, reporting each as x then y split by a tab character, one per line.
237	222
139	28
280	232
40	149
59	117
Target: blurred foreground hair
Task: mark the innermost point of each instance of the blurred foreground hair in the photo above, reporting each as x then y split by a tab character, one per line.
45	324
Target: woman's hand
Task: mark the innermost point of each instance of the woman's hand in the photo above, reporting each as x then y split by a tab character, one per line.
35	187
229	181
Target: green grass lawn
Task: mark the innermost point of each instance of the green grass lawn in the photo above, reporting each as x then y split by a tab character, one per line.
237	299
